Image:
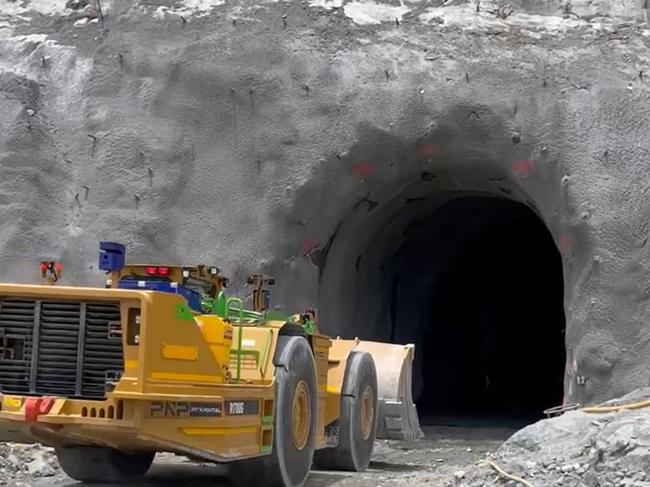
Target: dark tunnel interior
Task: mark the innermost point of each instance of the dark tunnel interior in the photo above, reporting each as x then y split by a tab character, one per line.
476	283
493	337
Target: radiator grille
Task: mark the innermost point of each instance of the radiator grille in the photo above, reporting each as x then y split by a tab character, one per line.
59	348
16	331
103	361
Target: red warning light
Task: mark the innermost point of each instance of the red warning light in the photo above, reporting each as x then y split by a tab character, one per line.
157	271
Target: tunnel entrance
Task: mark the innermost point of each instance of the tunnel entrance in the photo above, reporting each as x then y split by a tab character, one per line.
476	283
493	341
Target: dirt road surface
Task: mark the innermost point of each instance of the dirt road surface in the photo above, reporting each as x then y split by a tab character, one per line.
445	452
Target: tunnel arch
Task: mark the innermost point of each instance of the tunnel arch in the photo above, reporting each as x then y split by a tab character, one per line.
469	274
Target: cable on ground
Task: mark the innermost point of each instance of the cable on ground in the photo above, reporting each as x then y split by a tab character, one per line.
503	473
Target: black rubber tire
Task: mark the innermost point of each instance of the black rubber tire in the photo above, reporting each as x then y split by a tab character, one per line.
96	464
286	466
353	452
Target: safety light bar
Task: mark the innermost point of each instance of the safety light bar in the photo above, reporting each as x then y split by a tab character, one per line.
158	271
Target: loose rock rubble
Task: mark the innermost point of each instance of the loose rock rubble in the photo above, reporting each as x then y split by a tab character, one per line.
22	464
577	448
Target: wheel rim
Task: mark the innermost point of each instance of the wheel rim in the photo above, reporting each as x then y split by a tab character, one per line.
301	415
367	413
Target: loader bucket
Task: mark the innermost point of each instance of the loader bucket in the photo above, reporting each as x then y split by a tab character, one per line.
397	416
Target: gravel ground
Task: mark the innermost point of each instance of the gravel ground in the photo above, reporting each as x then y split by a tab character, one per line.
581	449
436	460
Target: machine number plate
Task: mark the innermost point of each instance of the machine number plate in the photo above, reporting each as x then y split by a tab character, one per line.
170	409
241	408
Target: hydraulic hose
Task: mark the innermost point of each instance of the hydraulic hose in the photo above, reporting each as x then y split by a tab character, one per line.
614	409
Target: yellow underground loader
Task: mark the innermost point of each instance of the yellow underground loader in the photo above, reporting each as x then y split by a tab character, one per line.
162	361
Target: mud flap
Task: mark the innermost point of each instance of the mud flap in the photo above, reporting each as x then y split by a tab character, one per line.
397	415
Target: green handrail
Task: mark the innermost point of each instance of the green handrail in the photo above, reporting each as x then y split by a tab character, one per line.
240	329
219	305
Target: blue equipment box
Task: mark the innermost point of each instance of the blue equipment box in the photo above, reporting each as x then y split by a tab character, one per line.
193	298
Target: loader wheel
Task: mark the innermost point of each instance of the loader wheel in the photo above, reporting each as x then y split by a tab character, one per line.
95	464
357	423
294	421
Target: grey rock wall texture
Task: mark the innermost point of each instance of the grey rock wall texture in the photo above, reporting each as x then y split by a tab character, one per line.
248	133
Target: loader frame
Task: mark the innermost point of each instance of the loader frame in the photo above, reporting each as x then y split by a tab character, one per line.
196	384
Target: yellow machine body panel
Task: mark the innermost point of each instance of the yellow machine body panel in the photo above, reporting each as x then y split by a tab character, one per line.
175	392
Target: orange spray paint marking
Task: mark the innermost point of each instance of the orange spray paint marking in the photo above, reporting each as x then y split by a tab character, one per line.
308	245
363	169
565	244
522	167
429	150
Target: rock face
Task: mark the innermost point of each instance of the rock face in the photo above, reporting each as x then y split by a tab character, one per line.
276	136
578	448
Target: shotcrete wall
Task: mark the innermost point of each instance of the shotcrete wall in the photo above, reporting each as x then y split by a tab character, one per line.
280	137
